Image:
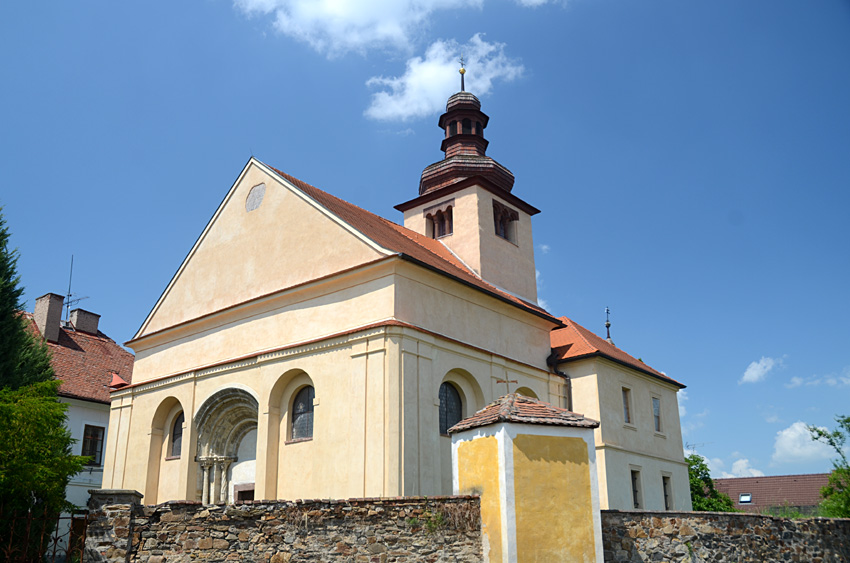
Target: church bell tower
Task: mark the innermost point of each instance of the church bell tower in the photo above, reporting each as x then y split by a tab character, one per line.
465	202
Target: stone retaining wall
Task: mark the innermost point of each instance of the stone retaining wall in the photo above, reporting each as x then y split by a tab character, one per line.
721	537
357	530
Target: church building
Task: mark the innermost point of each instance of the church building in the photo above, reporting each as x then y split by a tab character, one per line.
307	348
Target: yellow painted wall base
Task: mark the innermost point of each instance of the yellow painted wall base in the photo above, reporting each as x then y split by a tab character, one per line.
478	474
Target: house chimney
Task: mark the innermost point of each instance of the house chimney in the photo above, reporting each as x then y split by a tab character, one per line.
48	314
84	321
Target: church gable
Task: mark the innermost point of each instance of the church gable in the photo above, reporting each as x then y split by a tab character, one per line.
266	235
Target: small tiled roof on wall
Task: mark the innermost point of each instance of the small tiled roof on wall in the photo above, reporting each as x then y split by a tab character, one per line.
800	491
519	408
574	342
86	363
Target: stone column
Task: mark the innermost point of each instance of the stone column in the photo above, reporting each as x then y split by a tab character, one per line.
215	482
225	463
205	488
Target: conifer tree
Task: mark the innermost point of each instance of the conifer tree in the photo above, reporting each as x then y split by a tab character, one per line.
24	358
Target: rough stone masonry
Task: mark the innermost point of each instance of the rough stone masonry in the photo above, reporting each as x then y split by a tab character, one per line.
431	529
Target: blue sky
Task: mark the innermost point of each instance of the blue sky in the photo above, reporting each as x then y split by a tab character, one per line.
691	159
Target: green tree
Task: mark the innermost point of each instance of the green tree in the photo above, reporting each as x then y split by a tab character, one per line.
35	446
704	496
24	358
836	494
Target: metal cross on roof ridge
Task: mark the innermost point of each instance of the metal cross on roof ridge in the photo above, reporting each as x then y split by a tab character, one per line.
507	383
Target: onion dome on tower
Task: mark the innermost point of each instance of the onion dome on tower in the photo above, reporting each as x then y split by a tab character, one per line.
464	146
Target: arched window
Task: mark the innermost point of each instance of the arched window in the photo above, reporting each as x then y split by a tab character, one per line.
466	126
451	408
177	436
302	414
478	129
452	129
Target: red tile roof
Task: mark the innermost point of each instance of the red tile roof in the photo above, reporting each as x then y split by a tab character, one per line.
86	363
408	244
801	491
574	342
519	408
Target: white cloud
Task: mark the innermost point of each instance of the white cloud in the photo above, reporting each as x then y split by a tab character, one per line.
683	396
795	445
544	248
742	468
831	380
334	27
757	371
428	81
538	278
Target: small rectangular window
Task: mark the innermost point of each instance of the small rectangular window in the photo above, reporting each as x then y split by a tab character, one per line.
656	413
93	443
627	409
665	485
745	498
636	488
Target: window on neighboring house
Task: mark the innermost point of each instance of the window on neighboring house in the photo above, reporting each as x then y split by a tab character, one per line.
302	414
627	409
636	497
93	443
665	485
177	436
656	413
505	220
451	408
745	498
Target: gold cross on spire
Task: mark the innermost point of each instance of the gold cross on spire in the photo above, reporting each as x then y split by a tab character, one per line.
462	72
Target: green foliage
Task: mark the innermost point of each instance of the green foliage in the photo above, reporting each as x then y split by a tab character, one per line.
434	521
35	446
24	359
836	494
704	496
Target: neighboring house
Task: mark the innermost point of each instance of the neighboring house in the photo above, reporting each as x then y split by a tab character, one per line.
88	362
761	494
307	348
639	440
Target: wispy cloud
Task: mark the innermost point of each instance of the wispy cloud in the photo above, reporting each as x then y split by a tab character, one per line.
742	468
831	380
795	445
429	80
538	278
682	397
757	371
543	248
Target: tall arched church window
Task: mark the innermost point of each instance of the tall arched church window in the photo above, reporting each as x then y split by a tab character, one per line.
177	436
451	407
302	414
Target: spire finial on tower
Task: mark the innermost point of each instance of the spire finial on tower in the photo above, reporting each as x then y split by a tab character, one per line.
608	325
462	72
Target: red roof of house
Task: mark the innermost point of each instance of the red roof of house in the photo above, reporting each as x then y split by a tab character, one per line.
409	244
86	363
574	342
519	408
774	491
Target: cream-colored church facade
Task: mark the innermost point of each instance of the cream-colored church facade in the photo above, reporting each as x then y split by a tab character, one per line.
307	348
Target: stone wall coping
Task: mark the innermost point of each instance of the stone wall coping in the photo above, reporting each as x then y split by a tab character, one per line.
672	514
350	501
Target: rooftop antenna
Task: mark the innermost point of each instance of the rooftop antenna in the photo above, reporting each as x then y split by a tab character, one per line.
68	300
462	72
608	325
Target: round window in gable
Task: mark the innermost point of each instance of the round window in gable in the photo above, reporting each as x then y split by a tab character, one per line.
255	197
